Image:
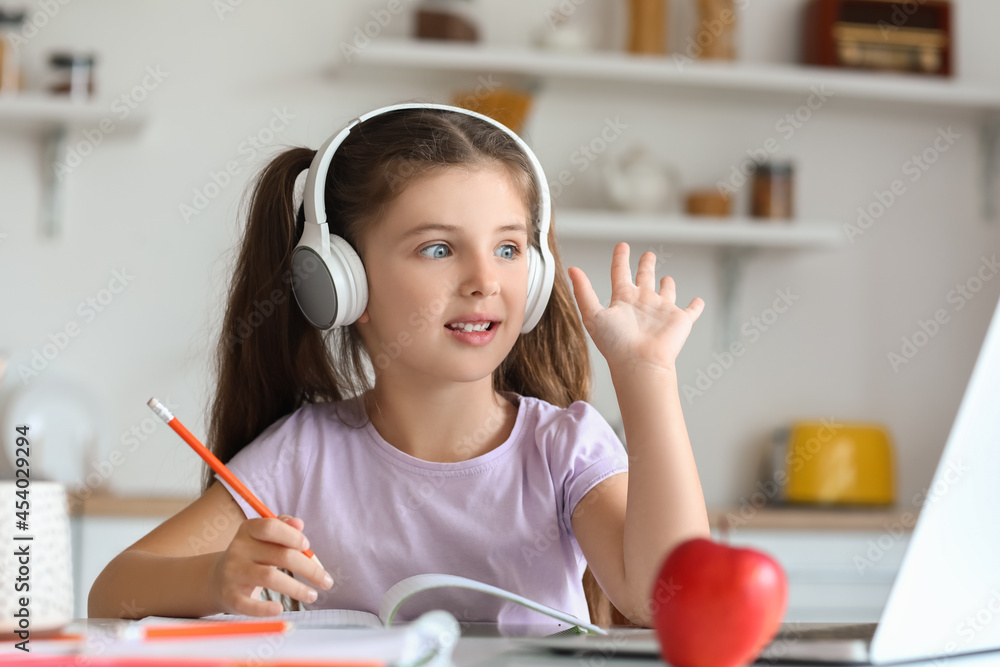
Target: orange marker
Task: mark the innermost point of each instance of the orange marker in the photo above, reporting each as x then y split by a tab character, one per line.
208	629
153	661
218	466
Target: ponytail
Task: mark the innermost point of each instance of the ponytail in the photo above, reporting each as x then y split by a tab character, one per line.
269	360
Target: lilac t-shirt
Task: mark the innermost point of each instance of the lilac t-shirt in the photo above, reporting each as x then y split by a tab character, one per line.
375	515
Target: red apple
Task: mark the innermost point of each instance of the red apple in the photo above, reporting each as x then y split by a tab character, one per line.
717	606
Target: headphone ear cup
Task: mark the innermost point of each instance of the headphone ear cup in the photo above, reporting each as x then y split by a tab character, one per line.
329	283
350	284
534	288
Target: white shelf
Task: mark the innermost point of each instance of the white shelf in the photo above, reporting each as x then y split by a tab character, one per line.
724	232
51	118
765	82
748	78
39	113
735	239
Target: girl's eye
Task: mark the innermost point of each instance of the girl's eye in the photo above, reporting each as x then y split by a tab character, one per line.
435	245
515	251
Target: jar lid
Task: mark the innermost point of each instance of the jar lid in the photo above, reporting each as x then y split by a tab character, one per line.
775	168
11	15
67	59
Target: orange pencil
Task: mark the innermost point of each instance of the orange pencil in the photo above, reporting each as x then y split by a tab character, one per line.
218	466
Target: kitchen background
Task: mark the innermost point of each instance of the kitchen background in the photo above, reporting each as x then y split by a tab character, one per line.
117	297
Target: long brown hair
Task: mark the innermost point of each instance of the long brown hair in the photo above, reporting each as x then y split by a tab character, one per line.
270	361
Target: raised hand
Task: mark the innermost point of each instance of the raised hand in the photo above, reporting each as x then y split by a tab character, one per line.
641	328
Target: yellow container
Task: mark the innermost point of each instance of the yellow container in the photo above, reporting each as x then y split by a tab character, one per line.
829	463
508	106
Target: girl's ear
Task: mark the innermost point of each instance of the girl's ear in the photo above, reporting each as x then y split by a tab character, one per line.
365	317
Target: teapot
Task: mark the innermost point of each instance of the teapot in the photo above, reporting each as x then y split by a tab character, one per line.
639	181
564	35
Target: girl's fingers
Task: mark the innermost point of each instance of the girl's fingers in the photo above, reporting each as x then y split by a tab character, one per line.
645	275
695	308
294	522
258	608
621	281
584	292
292	560
668	288
277	532
621	274
252	605
277	581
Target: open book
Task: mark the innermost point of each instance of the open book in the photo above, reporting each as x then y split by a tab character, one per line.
407	588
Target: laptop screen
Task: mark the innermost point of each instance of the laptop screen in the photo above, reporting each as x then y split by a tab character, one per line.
946	596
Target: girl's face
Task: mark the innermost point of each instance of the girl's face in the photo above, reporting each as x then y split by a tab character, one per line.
451	245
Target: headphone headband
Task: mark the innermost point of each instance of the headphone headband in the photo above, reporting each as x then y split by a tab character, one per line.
338	296
315	203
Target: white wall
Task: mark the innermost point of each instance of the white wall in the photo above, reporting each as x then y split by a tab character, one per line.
826	357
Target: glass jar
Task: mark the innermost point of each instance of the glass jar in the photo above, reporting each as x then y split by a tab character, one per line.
772	191
647	32
10	61
72	74
716	34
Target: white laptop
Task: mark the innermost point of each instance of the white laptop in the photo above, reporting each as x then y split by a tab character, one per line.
945	599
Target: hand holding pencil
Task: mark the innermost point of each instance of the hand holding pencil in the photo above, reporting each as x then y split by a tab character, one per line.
258	548
250	562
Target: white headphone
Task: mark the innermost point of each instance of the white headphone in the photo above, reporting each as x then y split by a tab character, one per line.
330	284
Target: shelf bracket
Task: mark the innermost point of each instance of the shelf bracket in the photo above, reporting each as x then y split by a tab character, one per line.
989	141
53	188
730	264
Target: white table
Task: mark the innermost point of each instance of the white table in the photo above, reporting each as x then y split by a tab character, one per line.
480	646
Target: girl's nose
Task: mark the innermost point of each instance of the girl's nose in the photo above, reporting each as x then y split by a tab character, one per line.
480	275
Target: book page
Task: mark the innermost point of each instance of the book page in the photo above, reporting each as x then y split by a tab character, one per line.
312	618
410	586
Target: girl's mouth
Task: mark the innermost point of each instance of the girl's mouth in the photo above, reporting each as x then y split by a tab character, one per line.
475	338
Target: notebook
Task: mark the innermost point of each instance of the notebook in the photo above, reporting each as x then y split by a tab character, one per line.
407	588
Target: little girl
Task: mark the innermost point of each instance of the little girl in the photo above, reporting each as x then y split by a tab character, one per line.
404	441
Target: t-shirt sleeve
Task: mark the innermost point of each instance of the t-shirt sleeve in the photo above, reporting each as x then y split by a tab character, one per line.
586	451
269	467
